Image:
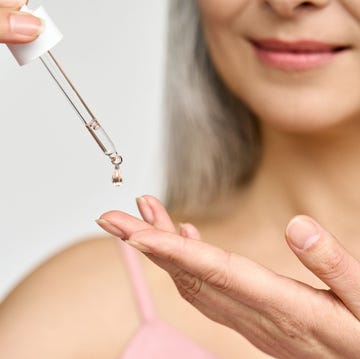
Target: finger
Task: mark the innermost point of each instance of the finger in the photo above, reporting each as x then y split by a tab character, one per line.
113	220
153	212
227	311
217	306
205	298
320	252
265	326
18	27
189	231
228	273
121	224
236	276
12	4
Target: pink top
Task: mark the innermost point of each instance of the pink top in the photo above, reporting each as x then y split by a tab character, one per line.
154	339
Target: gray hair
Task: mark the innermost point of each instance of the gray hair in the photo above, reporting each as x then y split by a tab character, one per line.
213	139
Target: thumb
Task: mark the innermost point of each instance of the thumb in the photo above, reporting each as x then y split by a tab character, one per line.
320	252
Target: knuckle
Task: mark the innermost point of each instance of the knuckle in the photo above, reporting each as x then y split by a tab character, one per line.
282	333
333	265
188	285
291	327
266	331
220	277
172	255
287	327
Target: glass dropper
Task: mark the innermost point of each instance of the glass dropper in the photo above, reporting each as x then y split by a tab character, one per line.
83	111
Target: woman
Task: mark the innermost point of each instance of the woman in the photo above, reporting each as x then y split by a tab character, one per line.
264	128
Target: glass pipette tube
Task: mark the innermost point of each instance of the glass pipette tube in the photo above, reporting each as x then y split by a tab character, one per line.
83	111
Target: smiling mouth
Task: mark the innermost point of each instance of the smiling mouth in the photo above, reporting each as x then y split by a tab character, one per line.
296	55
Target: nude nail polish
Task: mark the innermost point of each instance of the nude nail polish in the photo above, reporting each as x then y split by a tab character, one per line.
145	209
25	24
110	228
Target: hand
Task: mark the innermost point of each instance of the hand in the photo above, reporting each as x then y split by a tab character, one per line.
281	316
15	26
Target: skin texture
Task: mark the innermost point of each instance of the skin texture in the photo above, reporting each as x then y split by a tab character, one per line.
242	274
310	124
281	316
325	98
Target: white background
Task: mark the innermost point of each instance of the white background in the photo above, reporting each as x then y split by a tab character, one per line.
55	181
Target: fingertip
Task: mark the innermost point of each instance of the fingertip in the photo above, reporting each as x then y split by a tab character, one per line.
188	230
110	215
183	230
154	212
302	232
146	211
153	201
121	219
110	228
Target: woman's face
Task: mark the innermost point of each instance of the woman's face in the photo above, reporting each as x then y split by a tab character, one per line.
295	63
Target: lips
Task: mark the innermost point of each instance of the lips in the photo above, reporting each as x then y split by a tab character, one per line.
296	55
302	46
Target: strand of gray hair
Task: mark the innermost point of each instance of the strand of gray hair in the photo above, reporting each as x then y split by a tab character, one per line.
212	138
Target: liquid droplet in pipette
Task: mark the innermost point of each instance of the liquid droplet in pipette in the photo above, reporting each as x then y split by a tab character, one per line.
116	160
117	178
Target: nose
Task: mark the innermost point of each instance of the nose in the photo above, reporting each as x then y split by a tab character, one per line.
288	8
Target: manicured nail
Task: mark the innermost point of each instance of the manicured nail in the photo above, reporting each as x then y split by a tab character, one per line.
138	246
302	232
25	24
110	228
145	209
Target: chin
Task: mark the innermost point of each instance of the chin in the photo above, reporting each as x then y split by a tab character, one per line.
306	122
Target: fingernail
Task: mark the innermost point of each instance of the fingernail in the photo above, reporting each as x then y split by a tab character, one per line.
145	209
25	24
110	228
138	246
302	232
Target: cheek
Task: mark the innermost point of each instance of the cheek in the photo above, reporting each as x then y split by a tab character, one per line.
301	104
312	109
352	7
291	102
297	102
220	11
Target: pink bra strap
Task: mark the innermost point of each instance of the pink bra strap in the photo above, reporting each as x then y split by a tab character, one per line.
140	289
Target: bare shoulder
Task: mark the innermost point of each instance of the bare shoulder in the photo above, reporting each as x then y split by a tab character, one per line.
76	304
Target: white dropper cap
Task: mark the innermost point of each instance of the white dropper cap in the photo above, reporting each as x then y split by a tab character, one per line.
51	35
